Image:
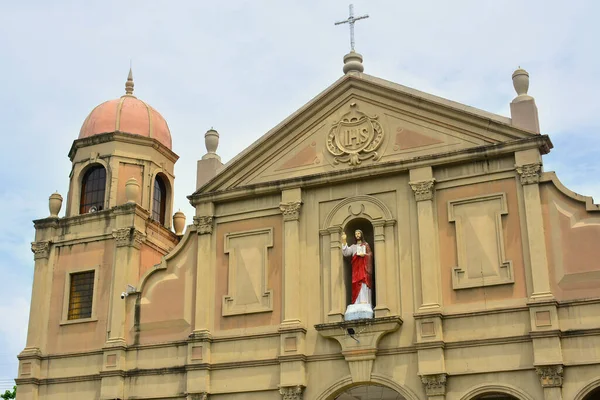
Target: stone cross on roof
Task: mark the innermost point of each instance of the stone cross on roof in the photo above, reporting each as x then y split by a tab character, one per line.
351	20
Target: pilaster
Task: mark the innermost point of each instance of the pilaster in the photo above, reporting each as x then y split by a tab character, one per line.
40	296
205	274
198	365
338	296
381	267
551	379
112	375
128	242
529	166
422	184
291	203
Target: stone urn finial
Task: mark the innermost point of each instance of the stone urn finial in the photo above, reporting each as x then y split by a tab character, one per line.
179	222
211	141
132	190
521	84
54	204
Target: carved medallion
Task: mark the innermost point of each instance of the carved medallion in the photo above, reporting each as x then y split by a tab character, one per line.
355	137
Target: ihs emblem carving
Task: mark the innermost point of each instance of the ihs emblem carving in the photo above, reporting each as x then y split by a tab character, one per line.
355	137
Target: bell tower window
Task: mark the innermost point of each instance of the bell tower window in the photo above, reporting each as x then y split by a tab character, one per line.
159	200
92	190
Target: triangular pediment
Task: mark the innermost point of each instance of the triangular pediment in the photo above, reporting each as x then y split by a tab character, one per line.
362	120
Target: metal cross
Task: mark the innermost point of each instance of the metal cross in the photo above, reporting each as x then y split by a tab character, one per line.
351	20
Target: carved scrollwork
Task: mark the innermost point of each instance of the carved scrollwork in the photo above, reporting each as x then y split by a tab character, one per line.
198	396
529	173
138	238
355	137
550	375
291	210
128	237
423	189
40	249
204	224
291	392
122	236
435	385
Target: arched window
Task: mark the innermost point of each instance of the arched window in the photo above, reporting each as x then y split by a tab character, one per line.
93	185
159	201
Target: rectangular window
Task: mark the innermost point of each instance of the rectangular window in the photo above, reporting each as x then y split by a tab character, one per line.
81	294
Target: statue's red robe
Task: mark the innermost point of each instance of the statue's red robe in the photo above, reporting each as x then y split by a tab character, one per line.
362	271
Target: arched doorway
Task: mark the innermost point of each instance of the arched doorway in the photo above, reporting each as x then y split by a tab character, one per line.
369	392
594	395
495	396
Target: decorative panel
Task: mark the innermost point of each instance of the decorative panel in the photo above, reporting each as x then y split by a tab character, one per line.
248	272
480	241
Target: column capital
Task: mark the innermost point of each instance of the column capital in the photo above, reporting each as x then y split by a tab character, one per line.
550	375
40	249
435	385
423	189
129	237
529	173
204	224
290	210
291	392
198	396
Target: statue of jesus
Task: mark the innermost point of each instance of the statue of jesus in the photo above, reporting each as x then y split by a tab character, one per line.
362	276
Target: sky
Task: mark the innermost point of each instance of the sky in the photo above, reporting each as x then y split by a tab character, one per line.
243	66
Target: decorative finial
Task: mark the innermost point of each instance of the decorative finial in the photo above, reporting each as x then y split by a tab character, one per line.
129	84
521	84
211	141
353	62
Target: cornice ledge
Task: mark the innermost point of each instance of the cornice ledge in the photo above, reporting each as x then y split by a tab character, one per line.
292	357
434	344
545	334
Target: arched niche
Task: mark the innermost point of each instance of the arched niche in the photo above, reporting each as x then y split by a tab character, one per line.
349	229
377	219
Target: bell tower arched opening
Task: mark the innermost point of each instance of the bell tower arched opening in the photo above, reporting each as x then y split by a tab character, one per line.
365	226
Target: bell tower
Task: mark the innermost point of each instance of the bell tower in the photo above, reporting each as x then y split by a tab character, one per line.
116	227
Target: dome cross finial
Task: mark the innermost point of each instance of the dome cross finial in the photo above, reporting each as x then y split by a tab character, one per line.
129	84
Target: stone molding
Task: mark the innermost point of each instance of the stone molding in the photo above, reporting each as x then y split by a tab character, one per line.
204	224
435	385
529	173
291	392
129	237
291	210
423	189
40	249
550	375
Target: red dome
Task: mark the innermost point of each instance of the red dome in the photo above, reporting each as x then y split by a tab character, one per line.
127	114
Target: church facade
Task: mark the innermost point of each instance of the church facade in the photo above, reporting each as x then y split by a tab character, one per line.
482	277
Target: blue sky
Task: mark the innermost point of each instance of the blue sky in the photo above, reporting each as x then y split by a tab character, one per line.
243	66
